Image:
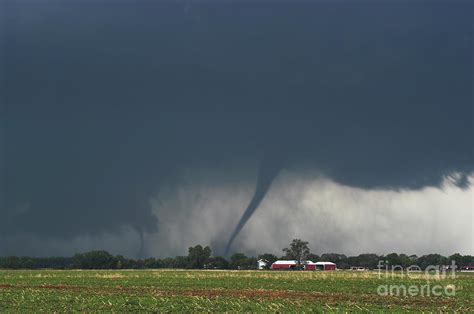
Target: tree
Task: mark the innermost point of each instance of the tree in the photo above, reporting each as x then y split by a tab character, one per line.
369	260
197	256
12	262
340	260
240	261
236	260
393	259
95	260
458	260
298	251
151	263
179	262
268	258
467	260
405	260
332	257
217	262
248	263
167	262
397	261
431	260
312	257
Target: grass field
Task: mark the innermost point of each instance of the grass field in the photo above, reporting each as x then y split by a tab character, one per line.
201	290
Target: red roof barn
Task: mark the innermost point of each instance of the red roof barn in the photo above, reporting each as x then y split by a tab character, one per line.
320	266
309	265
284	265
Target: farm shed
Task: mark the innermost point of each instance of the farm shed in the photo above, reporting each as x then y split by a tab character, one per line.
467	269
261	263
309	265
284	264
320	266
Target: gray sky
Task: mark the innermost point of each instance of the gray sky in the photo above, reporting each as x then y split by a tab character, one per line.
157	117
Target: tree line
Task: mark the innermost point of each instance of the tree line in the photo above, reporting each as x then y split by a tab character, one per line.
200	257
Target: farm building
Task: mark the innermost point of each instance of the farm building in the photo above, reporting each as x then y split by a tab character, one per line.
284	264
261	263
309	265
467	269
320	266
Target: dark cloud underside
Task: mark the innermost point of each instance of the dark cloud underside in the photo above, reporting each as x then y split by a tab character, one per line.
104	104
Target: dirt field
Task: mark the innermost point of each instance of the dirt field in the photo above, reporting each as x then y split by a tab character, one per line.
194	290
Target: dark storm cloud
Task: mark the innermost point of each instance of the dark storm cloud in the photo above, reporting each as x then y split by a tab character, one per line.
106	103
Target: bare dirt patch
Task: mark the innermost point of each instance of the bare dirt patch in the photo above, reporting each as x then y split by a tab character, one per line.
323	297
329	297
56	287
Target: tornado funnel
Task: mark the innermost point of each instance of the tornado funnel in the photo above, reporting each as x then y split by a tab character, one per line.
269	169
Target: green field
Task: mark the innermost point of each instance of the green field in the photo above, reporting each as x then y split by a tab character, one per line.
222	290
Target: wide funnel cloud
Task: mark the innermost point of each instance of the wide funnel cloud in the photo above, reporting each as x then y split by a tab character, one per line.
105	106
